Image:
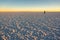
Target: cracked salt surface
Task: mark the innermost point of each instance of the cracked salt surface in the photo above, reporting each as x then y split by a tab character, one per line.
29	26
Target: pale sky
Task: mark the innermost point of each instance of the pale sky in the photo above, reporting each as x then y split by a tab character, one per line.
29	5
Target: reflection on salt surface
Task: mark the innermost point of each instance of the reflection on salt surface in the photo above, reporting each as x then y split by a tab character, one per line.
30	26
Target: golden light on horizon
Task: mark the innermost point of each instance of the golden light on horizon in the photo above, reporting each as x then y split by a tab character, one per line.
29	9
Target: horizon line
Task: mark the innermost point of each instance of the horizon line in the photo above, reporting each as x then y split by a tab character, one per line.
29	11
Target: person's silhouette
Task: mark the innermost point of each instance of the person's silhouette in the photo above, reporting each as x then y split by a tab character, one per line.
44	12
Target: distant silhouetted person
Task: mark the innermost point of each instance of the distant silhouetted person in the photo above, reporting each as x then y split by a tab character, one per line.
44	12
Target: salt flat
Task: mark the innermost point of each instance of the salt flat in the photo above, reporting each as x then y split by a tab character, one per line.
29	26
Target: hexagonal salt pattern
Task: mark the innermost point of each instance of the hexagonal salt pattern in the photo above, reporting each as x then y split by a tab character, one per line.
29	26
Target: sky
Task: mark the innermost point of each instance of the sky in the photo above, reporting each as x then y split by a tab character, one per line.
29	5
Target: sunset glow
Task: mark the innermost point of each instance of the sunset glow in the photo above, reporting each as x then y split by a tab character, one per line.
29	5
